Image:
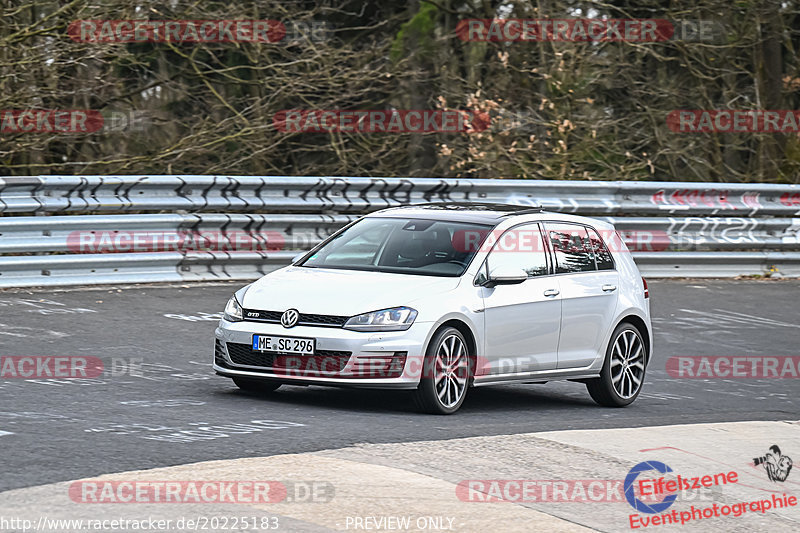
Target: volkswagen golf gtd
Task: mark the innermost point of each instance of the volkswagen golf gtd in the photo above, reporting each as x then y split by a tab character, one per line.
438	298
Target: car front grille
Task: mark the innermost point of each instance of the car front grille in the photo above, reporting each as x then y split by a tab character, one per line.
305	319
323	362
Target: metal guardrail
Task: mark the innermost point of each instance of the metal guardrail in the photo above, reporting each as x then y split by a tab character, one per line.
708	233
55	234
91	269
94	269
282	194
87	233
717	264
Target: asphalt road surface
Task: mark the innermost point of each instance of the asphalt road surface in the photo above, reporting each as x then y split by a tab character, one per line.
159	404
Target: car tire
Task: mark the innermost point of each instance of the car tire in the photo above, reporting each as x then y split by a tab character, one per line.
624	364
260	386
446	373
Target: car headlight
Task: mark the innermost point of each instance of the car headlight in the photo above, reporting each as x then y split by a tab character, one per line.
233	311
394	319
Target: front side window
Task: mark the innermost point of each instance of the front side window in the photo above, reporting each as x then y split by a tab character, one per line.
402	245
520	247
572	248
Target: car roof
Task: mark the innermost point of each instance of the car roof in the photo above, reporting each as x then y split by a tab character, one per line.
475	212
491	214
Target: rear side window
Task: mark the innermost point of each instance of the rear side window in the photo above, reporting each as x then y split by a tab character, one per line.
572	248
601	253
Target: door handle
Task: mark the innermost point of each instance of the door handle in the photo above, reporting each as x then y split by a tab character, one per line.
552	292
609	288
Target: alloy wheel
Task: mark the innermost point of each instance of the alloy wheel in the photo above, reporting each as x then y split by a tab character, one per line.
450	371
627	364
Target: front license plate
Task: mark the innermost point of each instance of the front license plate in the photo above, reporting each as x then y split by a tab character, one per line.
292	345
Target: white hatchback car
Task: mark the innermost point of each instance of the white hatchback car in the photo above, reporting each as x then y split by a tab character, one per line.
438	298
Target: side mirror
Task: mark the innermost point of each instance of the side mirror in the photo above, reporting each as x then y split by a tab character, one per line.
505	275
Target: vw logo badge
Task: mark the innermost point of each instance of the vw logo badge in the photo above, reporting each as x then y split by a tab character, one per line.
289	318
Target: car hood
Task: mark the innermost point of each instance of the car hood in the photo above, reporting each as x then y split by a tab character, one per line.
340	292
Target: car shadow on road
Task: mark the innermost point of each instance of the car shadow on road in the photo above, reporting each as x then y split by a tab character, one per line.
504	398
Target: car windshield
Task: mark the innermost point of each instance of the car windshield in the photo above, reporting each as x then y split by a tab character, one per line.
402	245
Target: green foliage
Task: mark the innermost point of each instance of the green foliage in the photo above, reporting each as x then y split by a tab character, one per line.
417	33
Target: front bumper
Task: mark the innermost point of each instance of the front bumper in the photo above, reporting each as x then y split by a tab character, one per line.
391	359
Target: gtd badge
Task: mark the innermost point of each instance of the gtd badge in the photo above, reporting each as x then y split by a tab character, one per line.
289	318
